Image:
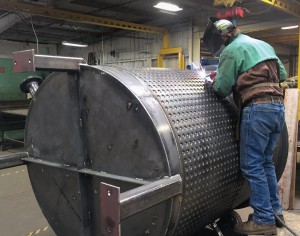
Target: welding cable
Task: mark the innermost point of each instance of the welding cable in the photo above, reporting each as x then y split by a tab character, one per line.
259	13
36	37
284	224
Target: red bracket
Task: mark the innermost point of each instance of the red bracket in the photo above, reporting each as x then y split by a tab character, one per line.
110	210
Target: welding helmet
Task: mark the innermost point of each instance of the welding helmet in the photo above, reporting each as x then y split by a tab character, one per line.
212	39
224	26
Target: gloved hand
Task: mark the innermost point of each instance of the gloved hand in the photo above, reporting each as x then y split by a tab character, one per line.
213	75
210	78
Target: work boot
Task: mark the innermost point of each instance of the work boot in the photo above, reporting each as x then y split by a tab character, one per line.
277	222
252	228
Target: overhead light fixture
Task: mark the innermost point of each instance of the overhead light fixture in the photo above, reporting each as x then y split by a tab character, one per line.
168	12
167	6
290	27
80	45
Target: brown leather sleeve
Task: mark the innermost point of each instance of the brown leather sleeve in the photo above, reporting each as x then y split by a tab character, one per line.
264	72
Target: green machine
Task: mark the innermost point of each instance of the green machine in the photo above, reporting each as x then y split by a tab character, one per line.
13	104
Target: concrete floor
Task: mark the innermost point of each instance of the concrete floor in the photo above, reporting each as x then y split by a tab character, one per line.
20	214
292	217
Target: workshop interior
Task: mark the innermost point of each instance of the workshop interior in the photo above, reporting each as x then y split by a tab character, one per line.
109	124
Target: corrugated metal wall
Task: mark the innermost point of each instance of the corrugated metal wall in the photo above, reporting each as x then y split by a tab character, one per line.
136	49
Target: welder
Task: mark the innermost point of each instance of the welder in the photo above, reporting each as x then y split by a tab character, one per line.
250	69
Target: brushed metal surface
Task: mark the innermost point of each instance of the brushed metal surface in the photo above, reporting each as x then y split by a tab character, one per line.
204	128
137	123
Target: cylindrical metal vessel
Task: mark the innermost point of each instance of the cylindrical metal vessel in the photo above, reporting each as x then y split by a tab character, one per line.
141	124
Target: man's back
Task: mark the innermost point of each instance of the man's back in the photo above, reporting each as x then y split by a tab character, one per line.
249	51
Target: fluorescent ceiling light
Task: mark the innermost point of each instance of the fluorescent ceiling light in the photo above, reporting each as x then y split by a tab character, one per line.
167	6
168	12
290	27
81	45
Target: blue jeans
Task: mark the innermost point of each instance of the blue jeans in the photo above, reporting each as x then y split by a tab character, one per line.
261	125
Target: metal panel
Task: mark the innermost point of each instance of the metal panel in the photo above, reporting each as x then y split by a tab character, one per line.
204	129
135	139
28	61
110	210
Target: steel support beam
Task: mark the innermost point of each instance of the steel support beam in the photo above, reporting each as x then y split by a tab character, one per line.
103	175
76	17
9	20
12	160
25	61
116	206
168	51
226	3
281	39
141	198
287	6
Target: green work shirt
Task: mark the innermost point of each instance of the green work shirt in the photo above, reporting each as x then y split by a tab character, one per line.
239	56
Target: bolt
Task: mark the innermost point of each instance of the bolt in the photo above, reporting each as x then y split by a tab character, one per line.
129	105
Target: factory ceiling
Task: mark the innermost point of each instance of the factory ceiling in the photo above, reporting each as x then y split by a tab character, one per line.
90	21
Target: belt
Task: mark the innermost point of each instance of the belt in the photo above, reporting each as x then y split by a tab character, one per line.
263	100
